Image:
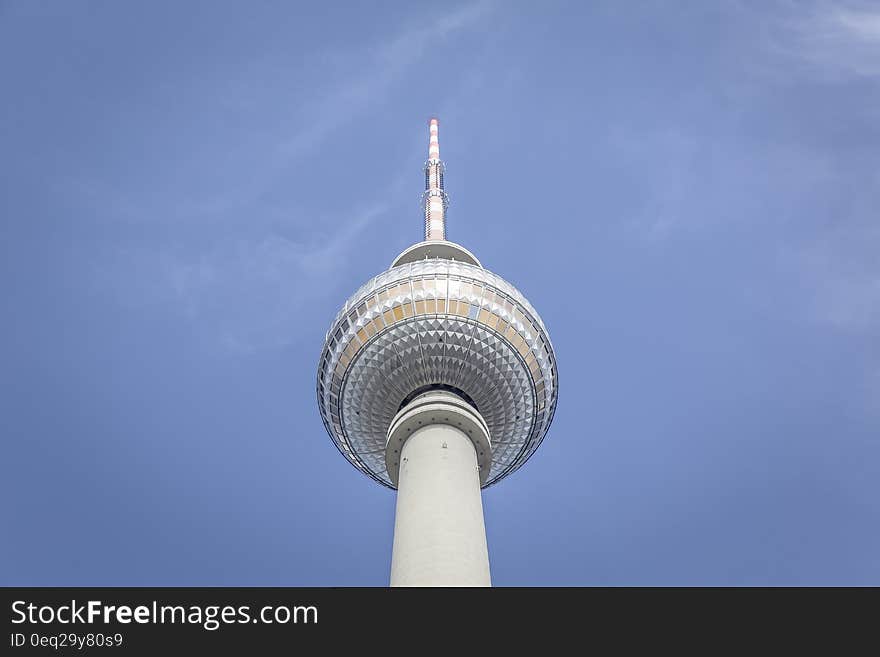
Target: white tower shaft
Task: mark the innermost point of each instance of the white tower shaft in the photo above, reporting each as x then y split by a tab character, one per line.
439	534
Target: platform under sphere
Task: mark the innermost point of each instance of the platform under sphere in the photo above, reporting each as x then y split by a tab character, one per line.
437	323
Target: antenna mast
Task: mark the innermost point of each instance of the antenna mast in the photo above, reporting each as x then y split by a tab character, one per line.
434	200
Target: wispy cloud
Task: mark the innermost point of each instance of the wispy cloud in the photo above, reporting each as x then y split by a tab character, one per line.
376	69
248	287
738	178
843	277
243	294
276	128
832	39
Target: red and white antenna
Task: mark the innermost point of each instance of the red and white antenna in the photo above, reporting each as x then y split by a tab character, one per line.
434	200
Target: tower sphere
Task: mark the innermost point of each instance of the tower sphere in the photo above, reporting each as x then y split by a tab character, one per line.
437	320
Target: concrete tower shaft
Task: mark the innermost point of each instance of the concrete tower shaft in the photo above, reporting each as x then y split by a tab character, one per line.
437	451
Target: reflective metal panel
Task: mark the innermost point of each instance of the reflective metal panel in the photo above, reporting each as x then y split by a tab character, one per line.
437	322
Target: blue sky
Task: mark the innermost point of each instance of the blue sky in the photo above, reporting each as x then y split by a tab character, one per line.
687	192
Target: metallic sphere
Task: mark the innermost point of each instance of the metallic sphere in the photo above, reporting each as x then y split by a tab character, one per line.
441	324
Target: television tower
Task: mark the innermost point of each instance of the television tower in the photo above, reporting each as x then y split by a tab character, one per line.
437	378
